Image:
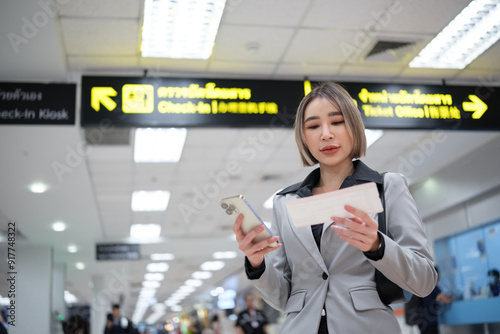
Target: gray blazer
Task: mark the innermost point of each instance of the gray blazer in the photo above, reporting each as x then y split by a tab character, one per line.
300	281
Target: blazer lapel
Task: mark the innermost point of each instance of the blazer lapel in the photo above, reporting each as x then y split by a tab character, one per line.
305	236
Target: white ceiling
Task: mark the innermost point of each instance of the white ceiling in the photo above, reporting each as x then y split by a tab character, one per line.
260	39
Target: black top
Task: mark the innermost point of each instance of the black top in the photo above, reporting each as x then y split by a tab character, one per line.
252	323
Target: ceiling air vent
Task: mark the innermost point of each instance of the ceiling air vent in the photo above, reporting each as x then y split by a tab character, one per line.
388	51
108	136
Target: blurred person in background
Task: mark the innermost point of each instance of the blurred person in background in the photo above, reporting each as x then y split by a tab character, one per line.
251	320
194	326
424	312
494	282
3	322
75	325
116	323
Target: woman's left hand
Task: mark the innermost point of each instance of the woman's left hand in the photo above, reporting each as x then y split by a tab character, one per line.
361	231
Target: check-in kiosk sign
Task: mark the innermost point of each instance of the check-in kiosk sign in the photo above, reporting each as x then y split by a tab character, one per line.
159	102
38	104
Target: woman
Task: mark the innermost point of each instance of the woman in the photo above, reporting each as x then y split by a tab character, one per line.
322	277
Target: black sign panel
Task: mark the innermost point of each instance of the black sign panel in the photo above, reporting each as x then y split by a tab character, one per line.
180	102
27	103
386	106
118	252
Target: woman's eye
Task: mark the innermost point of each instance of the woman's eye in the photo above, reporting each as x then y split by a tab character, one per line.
338	123
312	127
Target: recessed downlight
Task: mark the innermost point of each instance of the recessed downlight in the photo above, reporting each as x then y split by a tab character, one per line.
59	226
38	187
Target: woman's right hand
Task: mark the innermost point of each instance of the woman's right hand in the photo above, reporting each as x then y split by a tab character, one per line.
254	252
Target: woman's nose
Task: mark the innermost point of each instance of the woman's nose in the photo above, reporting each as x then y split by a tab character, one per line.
326	133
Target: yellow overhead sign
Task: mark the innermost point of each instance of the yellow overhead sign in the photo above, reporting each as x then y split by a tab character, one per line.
424	106
138	101
102	95
144	101
477	106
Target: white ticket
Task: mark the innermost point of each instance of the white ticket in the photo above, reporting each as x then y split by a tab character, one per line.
320	208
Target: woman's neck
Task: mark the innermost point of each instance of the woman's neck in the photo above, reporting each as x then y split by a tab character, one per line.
332	178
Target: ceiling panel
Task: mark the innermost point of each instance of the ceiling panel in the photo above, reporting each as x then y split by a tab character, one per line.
100	37
90	62
306	69
336	46
251	43
407	17
265	13
100	9
169	67
344	14
253	70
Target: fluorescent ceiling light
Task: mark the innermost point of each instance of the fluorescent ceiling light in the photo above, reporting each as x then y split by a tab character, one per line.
185	290
159	145
158	307
157	267
182	293
80	265
145	231
154	277
150	200
471	33
162	256
142	303
212	265
217	291
171	302
194	282
147	293
176	308
225	255
201	275
179	295
154	317
180	29
151	284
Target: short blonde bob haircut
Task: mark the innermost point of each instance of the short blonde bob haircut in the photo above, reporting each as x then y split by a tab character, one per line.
339	97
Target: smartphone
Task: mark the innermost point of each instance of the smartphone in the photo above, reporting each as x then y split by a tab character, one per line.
235	205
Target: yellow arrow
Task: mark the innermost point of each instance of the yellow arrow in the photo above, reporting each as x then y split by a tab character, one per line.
477	106
307	87
101	95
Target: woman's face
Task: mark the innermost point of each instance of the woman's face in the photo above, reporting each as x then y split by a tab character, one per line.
326	134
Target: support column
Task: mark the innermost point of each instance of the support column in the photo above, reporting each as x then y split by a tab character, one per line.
58	303
32	278
99	305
